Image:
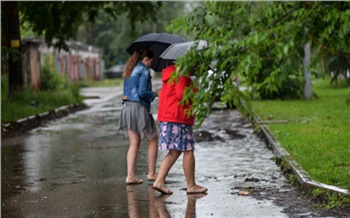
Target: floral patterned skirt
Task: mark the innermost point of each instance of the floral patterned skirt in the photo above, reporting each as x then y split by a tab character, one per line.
175	136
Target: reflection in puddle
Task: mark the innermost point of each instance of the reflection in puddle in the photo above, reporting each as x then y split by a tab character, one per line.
191	204
157	203
157	206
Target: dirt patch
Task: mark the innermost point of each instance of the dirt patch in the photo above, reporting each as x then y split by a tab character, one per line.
234	134
204	135
297	206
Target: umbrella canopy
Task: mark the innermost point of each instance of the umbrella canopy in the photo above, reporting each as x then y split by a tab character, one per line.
156	42
177	50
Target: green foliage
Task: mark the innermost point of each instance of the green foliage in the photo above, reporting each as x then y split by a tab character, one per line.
291	86
339	67
65	18
58	22
75	91
50	80
317	134
114	37
4	87
30	102
330	199
25	30
261	43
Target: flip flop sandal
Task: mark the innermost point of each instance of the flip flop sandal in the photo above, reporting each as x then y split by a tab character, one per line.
161	188
196	190
133	181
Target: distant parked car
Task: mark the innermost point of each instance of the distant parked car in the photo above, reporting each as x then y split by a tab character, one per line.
115	72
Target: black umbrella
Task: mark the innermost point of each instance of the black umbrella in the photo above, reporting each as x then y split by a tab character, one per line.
156	42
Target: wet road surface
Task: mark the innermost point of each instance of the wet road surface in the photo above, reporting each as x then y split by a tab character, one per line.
76	167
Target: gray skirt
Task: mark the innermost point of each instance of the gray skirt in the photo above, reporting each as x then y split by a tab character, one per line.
135	117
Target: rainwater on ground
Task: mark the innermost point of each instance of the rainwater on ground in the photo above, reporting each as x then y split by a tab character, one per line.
76	167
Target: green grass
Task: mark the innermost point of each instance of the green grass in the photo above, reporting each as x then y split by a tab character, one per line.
29	102
318	132
102	83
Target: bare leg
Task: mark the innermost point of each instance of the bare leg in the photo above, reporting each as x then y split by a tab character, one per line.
132	201
191	204
188	165
135	140
191	208
152	156
161	207
152	209
166	164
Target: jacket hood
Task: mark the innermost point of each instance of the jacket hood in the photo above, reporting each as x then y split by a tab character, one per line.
166	72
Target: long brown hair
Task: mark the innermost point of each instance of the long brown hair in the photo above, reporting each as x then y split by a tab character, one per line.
134	58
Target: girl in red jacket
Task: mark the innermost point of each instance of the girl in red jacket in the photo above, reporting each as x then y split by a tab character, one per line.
176	131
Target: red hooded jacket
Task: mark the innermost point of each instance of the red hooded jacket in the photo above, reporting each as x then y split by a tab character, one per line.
170	109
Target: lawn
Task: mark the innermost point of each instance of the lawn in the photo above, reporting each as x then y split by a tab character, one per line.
318	131
31	102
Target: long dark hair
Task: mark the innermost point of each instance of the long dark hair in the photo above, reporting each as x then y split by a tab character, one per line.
134	58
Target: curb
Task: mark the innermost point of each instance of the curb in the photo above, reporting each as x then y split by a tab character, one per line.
305	182
25	124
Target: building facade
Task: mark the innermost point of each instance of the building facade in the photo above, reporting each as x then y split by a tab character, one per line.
80	62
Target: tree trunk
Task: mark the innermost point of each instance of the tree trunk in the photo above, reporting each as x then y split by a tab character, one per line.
154	27
306	72
13	37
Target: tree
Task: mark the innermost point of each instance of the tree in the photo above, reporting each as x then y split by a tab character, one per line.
245	37
114	37
306	72
66	17
11	49
60	20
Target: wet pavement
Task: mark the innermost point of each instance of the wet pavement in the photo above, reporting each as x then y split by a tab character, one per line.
76	167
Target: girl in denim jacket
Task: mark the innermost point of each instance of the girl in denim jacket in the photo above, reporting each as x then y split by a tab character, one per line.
136	118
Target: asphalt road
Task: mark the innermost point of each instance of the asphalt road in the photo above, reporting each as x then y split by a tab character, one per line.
75	167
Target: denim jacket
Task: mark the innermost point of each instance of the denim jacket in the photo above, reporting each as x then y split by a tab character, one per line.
138	87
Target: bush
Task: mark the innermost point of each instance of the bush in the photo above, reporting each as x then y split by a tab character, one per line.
50	80
338	67
291	85
291	88
30	102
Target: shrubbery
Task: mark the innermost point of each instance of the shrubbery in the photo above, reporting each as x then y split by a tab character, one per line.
50	80
55	92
